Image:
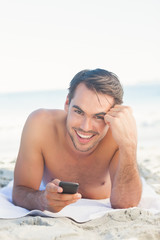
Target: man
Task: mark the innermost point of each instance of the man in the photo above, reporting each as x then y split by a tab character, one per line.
92	142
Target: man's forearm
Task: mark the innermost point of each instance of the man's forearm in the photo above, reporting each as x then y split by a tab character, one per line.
28	198
126	187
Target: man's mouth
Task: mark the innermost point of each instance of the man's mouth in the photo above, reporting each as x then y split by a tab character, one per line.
84	136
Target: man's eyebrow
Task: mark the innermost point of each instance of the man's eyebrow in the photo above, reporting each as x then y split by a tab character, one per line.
75	106
96	114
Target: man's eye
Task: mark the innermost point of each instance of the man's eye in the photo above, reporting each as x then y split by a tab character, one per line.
78	111
100	117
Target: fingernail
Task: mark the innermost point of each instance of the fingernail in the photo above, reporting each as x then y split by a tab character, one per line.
78	195
60	190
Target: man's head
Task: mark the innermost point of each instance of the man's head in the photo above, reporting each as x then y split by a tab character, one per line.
91	95
99	81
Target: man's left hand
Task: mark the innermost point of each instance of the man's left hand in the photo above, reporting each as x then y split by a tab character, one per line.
122	124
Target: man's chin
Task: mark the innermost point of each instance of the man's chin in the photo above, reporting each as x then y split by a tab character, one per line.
84	148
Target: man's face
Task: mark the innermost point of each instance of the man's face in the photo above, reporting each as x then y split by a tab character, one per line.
85	118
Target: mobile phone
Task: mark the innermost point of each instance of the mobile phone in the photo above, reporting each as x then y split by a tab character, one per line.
69	187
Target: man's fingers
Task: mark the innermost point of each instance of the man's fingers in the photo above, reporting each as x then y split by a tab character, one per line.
63	197
57	203
53	188
112	114
118	108
108	118
56	181
118	111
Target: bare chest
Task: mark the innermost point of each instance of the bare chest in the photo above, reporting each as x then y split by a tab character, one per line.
91	173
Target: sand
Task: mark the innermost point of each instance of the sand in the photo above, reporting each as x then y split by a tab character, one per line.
124	224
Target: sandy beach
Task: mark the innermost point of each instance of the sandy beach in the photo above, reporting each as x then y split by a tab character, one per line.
125	224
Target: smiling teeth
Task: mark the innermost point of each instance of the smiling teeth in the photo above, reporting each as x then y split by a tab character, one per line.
84	136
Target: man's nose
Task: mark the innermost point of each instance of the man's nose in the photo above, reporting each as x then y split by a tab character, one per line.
86	124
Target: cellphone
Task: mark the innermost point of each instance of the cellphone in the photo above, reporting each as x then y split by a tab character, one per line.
69	187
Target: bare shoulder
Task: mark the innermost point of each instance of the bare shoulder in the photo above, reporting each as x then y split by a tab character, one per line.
46	116
42	114
43	121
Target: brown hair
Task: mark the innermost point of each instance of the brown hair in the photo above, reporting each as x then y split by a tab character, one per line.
100	81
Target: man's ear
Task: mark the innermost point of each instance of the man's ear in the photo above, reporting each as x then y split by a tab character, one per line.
66	105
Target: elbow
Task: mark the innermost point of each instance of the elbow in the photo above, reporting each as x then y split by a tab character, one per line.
124	203
125	200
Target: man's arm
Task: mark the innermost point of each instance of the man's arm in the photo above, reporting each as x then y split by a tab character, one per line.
29	170
126	184
29	165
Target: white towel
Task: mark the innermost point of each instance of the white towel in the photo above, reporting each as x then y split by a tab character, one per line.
81	211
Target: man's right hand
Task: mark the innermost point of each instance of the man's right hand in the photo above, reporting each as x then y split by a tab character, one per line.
54	201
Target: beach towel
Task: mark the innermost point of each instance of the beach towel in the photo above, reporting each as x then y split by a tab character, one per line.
82	211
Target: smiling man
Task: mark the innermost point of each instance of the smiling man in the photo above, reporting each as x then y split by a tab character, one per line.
93	141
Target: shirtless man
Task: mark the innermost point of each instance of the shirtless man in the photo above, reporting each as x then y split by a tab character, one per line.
93	141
